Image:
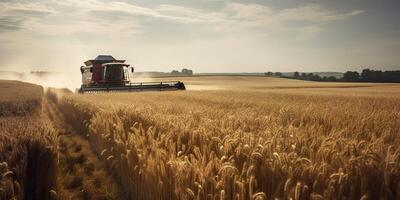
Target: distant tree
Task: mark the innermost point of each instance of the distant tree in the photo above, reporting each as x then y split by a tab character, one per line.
309	76
350	76
187	71
313	77
331	79
378	76
175	72
391	76
269	73
366	75
316	77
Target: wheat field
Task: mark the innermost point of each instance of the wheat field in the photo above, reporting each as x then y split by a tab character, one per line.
247	138
28	144
40	157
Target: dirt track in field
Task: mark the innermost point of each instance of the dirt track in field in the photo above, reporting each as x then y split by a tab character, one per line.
81	174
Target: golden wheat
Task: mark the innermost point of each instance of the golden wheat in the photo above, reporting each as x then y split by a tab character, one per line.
28	150
261	144
19	99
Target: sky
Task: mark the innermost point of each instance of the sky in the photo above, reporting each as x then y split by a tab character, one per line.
203	35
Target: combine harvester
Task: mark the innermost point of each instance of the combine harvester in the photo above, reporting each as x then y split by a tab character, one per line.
106	74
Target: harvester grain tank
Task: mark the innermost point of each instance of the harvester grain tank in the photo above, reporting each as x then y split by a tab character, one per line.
107	74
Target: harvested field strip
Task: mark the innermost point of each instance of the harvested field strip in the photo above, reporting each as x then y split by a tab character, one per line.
244	145
82	174
27	150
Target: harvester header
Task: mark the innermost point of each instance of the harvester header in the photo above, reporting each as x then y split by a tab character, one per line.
107	74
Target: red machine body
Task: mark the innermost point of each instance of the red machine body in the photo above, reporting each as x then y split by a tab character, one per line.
105	73
105	69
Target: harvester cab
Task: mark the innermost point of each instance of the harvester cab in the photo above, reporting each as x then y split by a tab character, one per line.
106	74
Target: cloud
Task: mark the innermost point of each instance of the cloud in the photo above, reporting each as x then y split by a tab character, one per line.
304	22
8	23
309	13
13	16
96	14
313	13
24	9
248	11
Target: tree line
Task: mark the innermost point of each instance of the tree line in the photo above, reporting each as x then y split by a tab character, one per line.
367	75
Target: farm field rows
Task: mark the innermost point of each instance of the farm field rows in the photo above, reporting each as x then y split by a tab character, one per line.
40	158
247	138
